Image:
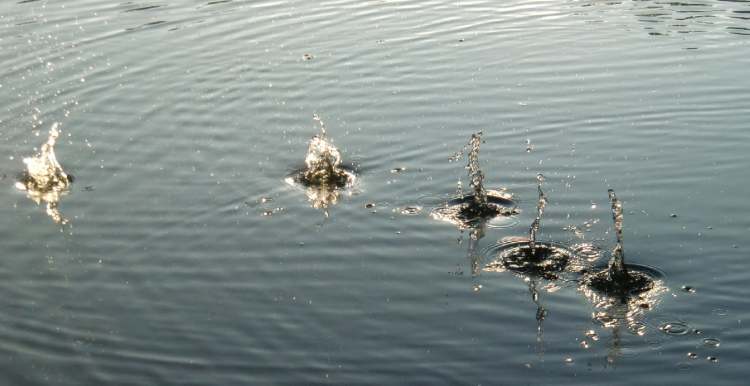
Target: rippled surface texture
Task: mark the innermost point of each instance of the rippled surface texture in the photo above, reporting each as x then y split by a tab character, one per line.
187	260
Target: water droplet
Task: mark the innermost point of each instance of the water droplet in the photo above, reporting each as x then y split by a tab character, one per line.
692	355
711	342
307	56
398	170
688	289
592	334
411	210
569	361
712	359
584	344
674	328
370	205
673	215
638	328
477	287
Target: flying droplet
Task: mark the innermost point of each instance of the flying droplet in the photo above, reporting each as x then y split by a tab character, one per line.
711	342
592	334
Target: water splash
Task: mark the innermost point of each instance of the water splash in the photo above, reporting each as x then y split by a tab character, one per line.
475	173
469	210
528	256
44	180
617	271
541	204
324	177
618	279
323	161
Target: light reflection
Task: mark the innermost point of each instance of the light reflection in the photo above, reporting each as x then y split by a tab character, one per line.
615	311
663	18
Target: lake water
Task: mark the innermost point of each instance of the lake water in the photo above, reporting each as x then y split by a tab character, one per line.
187	260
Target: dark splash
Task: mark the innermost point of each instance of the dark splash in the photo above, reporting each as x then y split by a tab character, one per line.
617	279
44	179
530	257
481	205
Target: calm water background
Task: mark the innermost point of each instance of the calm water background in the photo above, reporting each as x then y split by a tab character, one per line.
178	117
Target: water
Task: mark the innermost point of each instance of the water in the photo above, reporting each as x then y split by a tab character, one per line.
181	120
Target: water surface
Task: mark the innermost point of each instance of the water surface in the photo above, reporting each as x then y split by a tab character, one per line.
187	259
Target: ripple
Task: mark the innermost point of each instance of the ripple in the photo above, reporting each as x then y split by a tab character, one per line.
542	259
463	213
675	328
641	279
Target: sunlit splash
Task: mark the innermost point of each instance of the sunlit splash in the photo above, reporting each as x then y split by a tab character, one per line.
622	293
44	180
324	177
618	279
479	206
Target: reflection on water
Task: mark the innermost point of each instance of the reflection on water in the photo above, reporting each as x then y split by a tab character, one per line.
323	177
473	253
661	18
541	313
44	180
616	312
